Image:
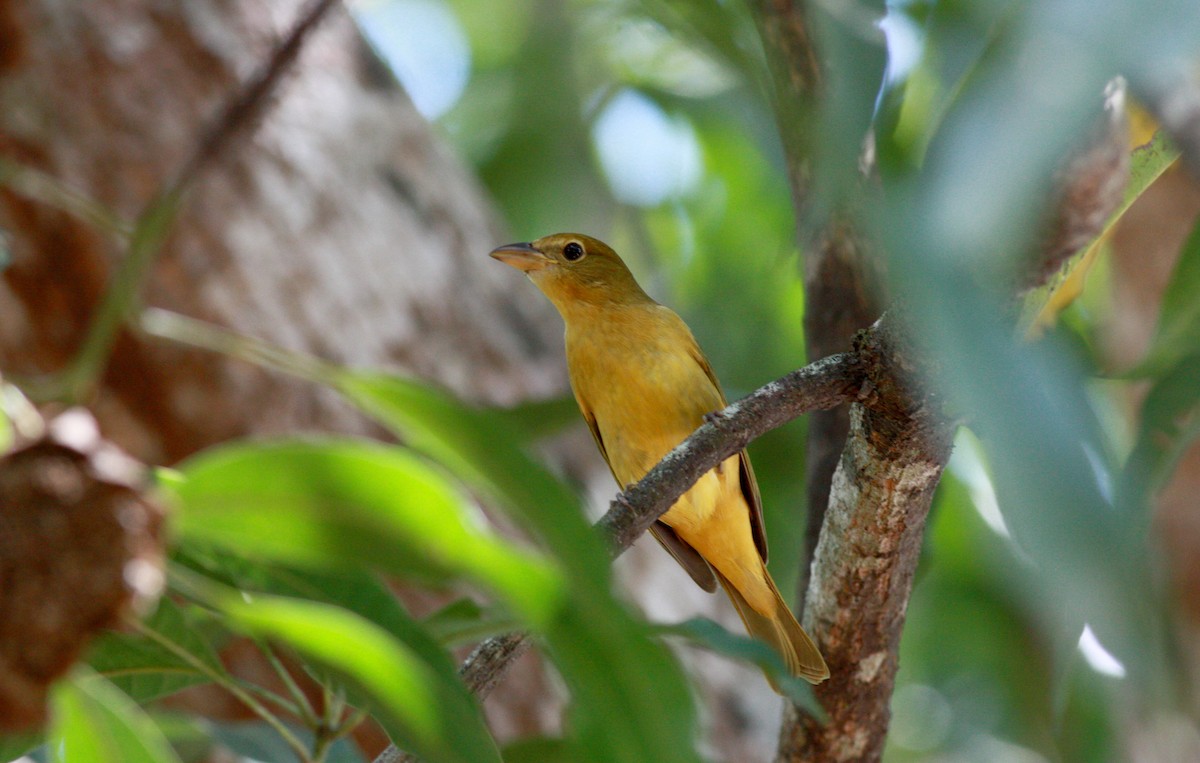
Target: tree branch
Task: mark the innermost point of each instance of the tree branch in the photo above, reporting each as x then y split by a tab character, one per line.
246	105
861	577
818	386
822	385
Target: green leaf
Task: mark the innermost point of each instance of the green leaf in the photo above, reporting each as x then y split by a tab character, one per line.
13	746
94	721
541	418
1146	165
1178	334
345	503
357	591
477	445
708	634
538	750
354	590
1170	422
465	621
415	705
146	670
619	677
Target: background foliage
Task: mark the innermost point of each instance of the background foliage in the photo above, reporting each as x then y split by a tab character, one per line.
1040	626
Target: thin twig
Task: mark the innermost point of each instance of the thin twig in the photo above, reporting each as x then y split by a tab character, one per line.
223	681
38	186
250	101
304	709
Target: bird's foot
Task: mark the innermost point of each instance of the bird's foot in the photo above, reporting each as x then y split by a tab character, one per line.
712	417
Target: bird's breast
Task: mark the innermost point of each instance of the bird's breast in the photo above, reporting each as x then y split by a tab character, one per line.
644	387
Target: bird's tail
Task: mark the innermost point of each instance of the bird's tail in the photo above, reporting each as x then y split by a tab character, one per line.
781	631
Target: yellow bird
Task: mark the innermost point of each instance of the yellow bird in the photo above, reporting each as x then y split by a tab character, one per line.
643	386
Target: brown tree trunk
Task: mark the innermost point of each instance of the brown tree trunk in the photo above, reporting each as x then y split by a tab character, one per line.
340	227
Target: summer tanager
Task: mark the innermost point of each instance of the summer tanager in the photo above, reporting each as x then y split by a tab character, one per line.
643	386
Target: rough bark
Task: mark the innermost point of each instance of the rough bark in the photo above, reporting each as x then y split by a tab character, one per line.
840	299
898	443
869	514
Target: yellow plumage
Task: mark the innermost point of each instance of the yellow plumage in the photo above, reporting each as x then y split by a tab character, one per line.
643	386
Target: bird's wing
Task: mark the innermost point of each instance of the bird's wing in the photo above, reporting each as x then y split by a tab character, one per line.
746	473
687	556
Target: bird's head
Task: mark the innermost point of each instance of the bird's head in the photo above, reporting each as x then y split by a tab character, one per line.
572	269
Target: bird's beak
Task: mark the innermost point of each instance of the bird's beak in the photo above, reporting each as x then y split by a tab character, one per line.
523	257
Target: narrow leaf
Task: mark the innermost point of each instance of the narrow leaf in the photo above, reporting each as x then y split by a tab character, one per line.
1178	334
347	503
414	704
146	670
541	418
709	635
1170	422
538	750
466	621
95	721
618	676
1147	163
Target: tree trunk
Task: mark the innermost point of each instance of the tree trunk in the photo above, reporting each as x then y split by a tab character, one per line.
339	227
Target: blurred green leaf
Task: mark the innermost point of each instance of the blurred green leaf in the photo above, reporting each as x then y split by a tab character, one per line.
465	621
14	746
1178	333
708	634
857	56
476	445
94	721
143	668
542	418
191	736
538	750
1170	422
618	676
953	228
345	503
357	591
1146	165
978	629
414	704
541	170
721	32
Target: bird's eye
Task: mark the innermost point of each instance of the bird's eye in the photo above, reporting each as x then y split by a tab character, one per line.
573	251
